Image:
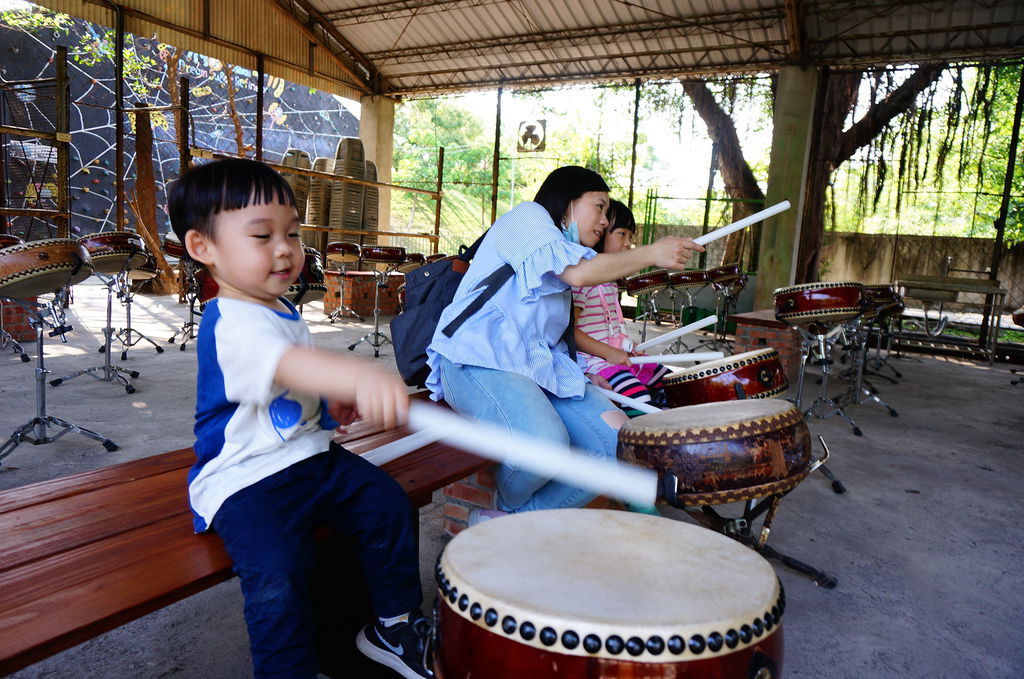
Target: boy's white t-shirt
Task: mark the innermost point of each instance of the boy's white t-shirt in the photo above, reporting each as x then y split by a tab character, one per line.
248	428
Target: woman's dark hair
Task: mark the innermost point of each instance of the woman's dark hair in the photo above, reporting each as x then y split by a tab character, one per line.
196	197
565	185
619	217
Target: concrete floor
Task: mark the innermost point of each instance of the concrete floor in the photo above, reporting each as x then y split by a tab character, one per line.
926	544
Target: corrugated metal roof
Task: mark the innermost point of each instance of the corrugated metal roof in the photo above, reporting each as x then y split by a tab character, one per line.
418	47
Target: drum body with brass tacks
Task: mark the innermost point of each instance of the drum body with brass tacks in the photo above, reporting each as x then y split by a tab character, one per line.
821	302
688	279
645	283
342	252
517	600
383	254
882	301
115	251
722	452
7	240
42	266
758	373
310	285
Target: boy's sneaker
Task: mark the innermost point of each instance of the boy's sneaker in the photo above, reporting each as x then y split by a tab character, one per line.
402	647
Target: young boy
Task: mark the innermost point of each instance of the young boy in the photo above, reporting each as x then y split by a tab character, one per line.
267	472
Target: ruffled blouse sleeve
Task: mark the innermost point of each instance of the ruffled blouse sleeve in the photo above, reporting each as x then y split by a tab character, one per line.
528	240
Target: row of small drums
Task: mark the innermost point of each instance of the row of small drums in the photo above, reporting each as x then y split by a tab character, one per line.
661	279
515	601
392	255
44	266
835	302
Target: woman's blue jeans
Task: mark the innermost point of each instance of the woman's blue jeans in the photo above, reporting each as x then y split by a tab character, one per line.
517	403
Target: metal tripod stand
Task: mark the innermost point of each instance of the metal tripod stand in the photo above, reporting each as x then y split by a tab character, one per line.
128	336
377	339
35	430
821	343
107	372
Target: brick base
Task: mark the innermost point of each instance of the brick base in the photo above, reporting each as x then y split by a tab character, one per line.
357	287
760	330
478	492
15	321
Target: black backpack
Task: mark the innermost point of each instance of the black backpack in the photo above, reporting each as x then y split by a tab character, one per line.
428	290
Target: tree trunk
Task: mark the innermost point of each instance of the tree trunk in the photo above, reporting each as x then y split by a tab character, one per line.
740	183
833	148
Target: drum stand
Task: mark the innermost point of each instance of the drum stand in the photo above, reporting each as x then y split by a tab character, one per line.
857	350
343	309
189	329
725	304
124	335
377	339
679	346
649	310
111	373
822	344
883	329
6	339
34	431
740	528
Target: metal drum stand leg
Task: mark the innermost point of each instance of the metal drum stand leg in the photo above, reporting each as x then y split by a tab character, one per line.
7	340
34	431
377	339
188	330
821	345
129	336
109	373
859	387
343	309
741	528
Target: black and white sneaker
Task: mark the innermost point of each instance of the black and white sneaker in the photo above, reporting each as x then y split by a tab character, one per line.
402	647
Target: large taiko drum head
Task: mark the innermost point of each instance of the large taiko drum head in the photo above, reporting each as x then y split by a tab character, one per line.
758	373
645	283
114	251
42	266
600	593
821	302
722	452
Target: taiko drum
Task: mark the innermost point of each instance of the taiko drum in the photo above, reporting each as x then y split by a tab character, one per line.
722	452
644	283
42	266
758	373
821	302
653	598
115	251
310	285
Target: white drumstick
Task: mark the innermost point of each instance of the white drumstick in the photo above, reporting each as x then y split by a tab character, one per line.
544	458
627	401
381	455
742	224
685	330
695	357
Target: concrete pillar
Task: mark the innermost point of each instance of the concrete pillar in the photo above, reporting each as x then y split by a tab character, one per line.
787	176
377	131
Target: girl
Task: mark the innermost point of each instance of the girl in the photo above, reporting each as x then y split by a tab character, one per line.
510	363
601	333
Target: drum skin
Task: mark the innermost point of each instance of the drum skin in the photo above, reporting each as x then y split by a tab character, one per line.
413	260
145	272
819	302
113	251
759	373
643	283
512	605
340	251
748	449
688	279
383	254
42	266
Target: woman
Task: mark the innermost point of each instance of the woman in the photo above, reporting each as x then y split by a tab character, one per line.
509	363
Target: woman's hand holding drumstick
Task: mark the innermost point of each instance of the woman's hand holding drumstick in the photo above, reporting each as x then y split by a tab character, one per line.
672	252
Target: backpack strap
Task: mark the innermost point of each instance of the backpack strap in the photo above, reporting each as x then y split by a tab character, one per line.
491	284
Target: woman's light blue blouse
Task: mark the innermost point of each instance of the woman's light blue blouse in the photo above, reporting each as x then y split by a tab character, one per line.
520	328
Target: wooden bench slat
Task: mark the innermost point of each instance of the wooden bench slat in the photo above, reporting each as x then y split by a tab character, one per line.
52	605
39	531
125	472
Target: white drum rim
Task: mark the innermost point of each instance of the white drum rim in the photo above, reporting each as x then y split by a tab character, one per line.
483	589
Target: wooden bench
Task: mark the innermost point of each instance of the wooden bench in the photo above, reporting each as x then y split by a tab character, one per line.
84	554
